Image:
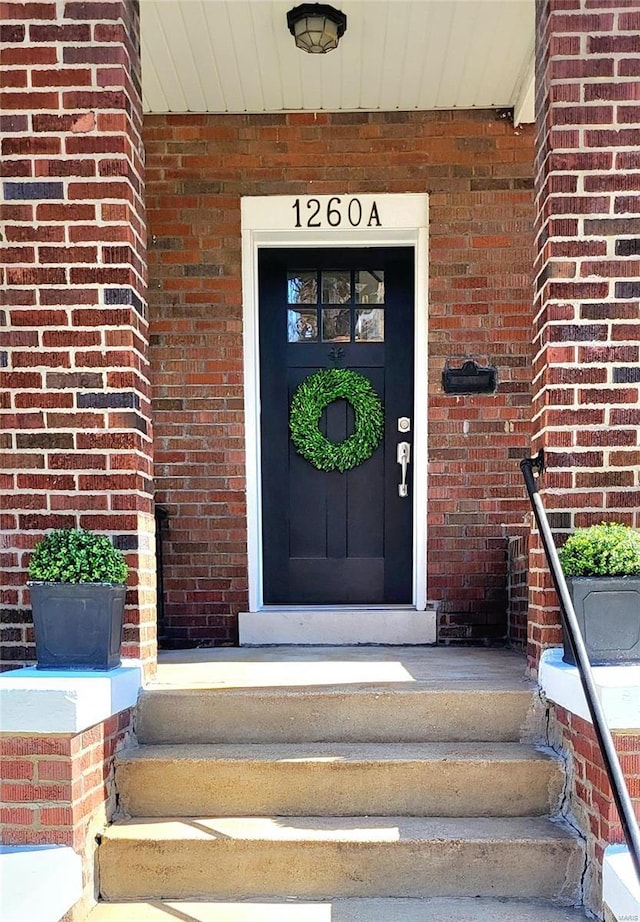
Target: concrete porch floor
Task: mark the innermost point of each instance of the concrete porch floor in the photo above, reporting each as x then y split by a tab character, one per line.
298	666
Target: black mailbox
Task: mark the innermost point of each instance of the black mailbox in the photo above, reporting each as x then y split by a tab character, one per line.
470	378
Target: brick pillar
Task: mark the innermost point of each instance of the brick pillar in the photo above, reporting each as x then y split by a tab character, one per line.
59	789
588	799
586	330
74	335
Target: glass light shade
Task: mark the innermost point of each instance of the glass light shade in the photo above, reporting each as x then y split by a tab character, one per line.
317	28
315	35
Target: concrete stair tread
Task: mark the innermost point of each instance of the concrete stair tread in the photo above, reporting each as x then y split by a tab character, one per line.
349	667
339	910
357	713
344	752
322	858
331	829
312	689
346	779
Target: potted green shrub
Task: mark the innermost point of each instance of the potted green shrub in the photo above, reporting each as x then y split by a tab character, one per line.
77	586
602	566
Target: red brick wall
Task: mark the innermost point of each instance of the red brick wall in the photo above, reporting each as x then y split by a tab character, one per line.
59	790
587	308
478	170
73	329
588	800
17	645
518	587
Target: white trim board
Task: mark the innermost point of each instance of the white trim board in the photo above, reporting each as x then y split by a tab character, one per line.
271	221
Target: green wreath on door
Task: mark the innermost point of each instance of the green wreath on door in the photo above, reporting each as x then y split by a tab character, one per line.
309	401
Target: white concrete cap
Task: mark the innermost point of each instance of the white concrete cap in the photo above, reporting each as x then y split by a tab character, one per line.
620	886
618	689
39	882
47	701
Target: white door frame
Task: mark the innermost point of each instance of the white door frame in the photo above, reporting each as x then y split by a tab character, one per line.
333	221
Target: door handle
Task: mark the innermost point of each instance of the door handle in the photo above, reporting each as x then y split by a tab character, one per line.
403	456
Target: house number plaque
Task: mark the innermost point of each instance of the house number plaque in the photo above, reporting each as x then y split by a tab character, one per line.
336	212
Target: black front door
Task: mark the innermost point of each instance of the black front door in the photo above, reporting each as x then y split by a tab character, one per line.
332	537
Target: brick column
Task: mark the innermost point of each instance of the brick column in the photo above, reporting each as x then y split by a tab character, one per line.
588	795
586	312
53	784
76	427
57	747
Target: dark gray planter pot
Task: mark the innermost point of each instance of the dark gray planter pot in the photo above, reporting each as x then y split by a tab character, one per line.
77	625
608	613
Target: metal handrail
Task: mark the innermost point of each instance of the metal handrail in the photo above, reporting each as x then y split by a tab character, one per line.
610	758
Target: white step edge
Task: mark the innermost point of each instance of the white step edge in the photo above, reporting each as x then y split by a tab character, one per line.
66	701
620	886
39	882
393	626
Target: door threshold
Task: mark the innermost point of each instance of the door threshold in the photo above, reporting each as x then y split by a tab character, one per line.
342	606
338	625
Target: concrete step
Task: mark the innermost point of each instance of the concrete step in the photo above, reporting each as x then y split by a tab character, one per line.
356	910
384	713
361	625
309	857
421	779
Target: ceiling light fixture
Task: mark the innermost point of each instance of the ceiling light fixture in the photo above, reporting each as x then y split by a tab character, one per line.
316	27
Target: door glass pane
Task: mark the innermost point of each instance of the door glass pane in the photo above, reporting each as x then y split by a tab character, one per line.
302	288
302	326
336	325
369	287
370	325
336	287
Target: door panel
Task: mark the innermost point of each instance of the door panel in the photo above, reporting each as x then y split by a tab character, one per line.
332	537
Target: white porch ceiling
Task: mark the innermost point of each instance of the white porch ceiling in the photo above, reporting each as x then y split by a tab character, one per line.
238	56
